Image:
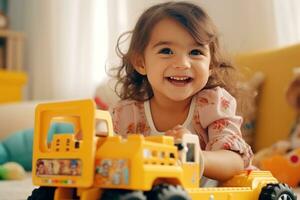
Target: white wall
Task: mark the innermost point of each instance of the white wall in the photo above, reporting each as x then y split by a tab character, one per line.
243	25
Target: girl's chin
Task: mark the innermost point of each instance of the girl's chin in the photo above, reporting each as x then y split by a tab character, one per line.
179	98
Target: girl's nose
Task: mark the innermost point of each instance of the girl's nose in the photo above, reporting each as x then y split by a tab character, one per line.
182	62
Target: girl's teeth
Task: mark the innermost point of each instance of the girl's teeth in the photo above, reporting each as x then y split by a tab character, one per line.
178	78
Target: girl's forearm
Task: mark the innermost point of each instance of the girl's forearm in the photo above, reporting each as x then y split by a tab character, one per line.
221	165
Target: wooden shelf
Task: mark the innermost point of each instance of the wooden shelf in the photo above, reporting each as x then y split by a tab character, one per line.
12	79
11	50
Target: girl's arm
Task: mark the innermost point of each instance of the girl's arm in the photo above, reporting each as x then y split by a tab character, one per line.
222	164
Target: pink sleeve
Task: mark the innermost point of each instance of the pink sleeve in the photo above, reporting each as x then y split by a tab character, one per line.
218	116
128	117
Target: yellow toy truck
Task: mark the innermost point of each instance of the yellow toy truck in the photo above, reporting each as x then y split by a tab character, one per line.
88	164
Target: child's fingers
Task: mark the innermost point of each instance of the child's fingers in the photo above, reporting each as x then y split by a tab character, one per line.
177	132
180	133
182	130
173	133
169	132
177	127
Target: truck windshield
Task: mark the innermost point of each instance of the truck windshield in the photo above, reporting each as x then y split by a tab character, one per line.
190	154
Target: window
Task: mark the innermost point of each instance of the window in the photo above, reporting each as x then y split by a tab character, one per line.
190	155
147	153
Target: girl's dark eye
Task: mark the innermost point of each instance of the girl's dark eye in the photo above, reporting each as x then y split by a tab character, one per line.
196	52
166	51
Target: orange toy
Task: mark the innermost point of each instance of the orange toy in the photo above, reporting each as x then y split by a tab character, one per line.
285	168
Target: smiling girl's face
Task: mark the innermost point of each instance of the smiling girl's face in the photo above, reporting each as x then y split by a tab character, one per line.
176	65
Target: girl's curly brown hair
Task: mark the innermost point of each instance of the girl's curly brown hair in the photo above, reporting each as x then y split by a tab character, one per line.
132	85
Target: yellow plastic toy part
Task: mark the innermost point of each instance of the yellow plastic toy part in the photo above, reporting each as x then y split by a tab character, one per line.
108	167
65	155
285	167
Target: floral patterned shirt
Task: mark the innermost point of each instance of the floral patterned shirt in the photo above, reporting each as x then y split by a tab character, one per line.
213	119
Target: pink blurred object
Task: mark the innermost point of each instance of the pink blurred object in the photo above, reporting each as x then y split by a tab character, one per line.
100	104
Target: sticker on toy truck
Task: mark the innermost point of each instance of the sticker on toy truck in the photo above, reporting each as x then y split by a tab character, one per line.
112	172
64	167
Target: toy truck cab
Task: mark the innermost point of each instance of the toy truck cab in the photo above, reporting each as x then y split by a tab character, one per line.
66	160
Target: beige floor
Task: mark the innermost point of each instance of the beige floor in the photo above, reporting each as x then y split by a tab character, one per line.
16	190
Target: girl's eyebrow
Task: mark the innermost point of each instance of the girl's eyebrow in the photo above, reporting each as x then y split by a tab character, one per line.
162	43
196	44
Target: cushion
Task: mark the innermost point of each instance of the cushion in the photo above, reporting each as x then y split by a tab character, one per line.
15	117
275	117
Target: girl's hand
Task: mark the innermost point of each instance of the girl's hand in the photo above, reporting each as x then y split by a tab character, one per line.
177	132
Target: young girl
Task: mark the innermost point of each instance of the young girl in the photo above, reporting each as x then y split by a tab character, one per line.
175	81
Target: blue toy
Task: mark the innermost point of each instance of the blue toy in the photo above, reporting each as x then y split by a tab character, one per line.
18	146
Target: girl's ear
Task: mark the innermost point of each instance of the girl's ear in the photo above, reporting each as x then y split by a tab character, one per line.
139	66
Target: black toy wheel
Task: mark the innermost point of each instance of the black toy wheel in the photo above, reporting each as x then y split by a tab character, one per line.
277	191
42	193
168	192
122	195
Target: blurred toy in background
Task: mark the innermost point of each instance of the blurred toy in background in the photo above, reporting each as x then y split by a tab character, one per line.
11	171
3	26
293	98
105	96
101	104
17	147
283	157
3	14
285	167
248	109
3	21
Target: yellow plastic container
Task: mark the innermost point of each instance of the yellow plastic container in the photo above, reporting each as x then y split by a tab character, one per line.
11	85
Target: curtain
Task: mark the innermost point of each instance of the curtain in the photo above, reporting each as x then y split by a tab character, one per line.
287	18
66	47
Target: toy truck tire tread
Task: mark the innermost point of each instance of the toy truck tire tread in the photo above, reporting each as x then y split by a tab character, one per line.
169	192
122	195
42	193
278	191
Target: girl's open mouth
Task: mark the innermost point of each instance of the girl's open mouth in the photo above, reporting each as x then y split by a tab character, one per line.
179	80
